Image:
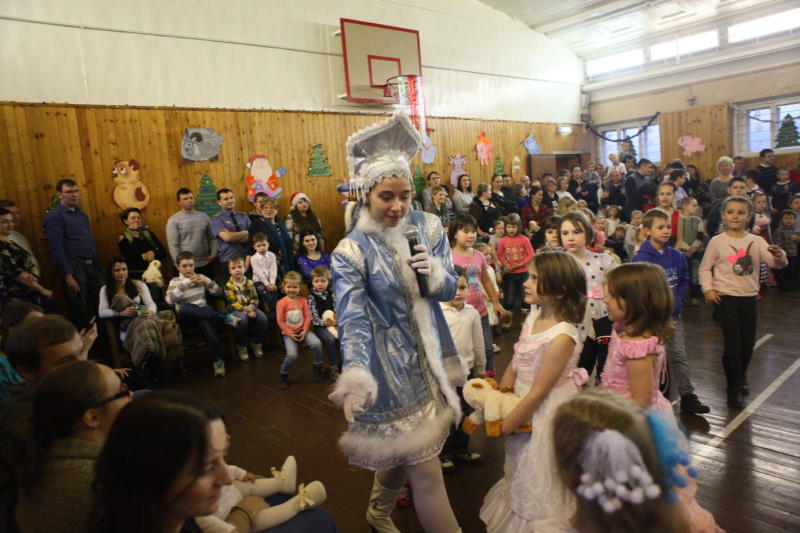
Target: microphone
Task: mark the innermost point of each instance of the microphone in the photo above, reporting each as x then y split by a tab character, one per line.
412	234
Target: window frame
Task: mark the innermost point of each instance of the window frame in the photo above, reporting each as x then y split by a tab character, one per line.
617	129
741	129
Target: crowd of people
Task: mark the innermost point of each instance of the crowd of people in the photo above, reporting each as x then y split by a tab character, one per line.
596	263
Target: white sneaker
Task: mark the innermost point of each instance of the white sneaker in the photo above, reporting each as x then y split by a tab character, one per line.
288	473
257	350
219	368
243	356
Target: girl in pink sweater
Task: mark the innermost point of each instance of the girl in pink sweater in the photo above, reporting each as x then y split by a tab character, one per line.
729	276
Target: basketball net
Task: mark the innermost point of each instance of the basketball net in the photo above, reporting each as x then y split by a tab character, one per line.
408	91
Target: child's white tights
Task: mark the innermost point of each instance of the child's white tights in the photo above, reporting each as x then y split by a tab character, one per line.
430	496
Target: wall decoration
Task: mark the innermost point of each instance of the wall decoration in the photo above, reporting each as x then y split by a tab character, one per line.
54	201
499	166
516	165
207	197
484	149
627	147
457	162
318	166
531	145
691	144
419	181
129	191
428	153
201	144
262	178
787	133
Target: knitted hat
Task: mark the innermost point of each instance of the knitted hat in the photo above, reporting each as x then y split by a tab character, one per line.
296	197
381	151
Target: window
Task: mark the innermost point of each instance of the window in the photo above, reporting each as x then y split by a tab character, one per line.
621	61
647	145
752	29
684	45
758	123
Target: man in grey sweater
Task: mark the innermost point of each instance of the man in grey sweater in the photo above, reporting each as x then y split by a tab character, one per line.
190	231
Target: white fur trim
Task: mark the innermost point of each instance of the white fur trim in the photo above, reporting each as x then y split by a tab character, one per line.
378	450
354	380
436	279
456	370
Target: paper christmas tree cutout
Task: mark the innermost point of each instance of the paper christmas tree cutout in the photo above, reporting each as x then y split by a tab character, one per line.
498	165
319	164
628	147
419	181
207	197
787	133
53	203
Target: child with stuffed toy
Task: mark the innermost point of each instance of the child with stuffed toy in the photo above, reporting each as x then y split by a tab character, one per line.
464	323
543	374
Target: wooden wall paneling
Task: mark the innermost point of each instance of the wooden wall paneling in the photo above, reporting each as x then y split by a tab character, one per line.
41	143
711	124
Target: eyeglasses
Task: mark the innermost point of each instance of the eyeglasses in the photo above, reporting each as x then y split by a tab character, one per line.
124	392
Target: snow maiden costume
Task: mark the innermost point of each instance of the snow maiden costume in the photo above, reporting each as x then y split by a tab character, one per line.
398	357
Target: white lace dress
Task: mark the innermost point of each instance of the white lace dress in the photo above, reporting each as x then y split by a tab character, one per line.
530	489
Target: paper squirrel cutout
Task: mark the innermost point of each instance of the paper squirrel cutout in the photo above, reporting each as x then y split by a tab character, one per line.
153	274
129	191
491	406
333	330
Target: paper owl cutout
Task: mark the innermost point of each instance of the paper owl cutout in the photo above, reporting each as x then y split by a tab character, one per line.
484	149
129	191
531	145
428	152
691	144
457	162
200	144
262	178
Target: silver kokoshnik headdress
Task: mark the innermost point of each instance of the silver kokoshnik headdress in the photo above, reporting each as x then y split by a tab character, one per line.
381	151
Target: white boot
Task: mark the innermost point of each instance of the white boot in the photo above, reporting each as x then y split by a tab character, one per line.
381	505
288	474
308	497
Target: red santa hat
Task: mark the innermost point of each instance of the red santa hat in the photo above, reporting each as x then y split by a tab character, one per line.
296	197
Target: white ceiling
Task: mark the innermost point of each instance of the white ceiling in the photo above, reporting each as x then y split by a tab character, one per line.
593	27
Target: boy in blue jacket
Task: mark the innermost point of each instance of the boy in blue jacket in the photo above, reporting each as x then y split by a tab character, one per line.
655	249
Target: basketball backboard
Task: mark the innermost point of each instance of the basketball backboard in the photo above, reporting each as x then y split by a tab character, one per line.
372	54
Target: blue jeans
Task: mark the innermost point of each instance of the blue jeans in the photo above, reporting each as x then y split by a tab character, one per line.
269	298
83	306
513	287
488	342
206	320
311	340
253	329
676	357
331	345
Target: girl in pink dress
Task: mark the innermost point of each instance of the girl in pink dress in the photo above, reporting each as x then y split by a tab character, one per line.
639	302
544	375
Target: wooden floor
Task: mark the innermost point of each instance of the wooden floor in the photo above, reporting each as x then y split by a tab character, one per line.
750	479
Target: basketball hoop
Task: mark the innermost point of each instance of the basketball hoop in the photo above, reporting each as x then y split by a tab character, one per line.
407	90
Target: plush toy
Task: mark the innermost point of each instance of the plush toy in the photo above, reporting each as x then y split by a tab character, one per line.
491	405
333	330
153	274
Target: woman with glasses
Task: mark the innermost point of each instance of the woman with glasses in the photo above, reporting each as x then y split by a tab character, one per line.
54	452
